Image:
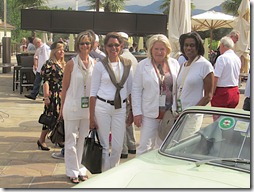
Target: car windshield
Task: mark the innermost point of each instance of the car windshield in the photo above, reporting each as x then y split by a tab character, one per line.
218	139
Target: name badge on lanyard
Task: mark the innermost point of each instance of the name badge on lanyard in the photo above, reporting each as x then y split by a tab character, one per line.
162	101
84	102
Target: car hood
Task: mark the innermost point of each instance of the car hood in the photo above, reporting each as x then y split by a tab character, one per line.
153	170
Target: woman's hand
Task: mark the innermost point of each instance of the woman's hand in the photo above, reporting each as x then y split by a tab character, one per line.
92	124
46	101
138	120
129	119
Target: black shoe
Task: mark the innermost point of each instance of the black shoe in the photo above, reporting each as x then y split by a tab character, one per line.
124	156
30	97
132	151
42	147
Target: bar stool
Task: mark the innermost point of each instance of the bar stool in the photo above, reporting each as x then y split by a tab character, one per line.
27	75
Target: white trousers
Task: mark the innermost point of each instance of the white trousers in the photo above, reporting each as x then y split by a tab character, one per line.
148	135
75	133
111	120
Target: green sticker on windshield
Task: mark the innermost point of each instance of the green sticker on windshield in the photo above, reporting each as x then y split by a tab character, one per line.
227	123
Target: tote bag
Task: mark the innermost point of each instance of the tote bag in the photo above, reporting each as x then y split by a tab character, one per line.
166	124
92	155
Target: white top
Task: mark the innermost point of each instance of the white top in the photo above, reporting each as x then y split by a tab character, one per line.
227	69
247	88
193	86
146	90
31	47
42	53
181	60
97	54
72	105
102	85
128	55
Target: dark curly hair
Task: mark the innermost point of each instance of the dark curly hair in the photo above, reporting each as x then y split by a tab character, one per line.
199	42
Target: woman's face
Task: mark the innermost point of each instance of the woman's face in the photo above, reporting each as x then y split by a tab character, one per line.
59	53
159	51
113	48
190	48
85	45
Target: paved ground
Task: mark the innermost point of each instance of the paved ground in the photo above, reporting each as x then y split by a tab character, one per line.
22	165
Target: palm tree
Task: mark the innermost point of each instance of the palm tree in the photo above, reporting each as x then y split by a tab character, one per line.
231	6
108	5
14	8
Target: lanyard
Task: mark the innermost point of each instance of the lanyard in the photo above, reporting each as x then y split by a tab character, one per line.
186	72
84	70
160	75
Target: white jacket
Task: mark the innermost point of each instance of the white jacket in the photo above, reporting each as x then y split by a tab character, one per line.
145	88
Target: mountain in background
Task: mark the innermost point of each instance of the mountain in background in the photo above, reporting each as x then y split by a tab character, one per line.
154	8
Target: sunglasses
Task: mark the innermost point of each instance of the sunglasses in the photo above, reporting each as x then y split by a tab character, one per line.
113	45
85	43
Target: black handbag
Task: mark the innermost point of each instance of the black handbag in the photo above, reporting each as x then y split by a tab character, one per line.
48	120
57	134
92	155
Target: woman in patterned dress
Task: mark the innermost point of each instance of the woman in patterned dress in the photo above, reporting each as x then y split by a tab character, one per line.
52	75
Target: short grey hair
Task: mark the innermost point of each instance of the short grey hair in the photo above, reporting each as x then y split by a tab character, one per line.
227	42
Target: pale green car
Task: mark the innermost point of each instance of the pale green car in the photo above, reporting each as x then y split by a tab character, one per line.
206	148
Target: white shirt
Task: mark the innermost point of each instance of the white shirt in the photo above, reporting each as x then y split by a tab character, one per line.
227	69
102	85
72	105
42	53
247	88
128	55
181	60
193	86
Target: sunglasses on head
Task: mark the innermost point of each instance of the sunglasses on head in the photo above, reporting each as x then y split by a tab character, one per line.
113	45
85	43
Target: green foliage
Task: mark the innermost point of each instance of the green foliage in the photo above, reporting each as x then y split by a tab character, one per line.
14	15
231	6
108	5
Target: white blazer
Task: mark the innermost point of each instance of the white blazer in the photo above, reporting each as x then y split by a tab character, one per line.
146	89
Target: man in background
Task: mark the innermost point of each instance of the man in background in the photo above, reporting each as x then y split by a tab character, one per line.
96	53
40	57
129	145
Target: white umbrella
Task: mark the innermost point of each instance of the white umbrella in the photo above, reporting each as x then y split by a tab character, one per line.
211	20
242	24
179	22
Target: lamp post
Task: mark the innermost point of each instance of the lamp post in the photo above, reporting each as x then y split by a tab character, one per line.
6	42
5	18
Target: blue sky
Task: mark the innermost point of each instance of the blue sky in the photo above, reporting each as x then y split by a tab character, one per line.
200	4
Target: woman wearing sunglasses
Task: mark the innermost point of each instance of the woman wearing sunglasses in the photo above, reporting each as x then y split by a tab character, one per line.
110	87
75	102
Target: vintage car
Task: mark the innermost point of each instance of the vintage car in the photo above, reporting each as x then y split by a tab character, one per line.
207	147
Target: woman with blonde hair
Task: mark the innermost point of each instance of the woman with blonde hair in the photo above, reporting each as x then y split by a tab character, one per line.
75	103
52	75
152	90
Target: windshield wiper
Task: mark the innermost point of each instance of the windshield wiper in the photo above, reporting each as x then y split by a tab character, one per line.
234	160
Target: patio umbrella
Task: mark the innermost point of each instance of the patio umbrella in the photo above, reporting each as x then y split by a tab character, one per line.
242	24
211	20
179	22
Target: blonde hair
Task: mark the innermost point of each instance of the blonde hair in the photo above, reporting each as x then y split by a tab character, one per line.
58	45
89	34
155	38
